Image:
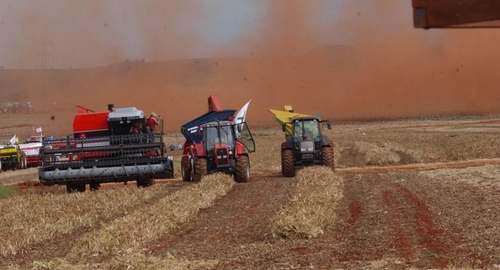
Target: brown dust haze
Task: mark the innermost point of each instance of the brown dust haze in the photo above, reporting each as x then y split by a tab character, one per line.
367	63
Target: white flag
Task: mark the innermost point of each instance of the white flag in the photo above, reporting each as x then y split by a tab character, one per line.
38	130
240	118
242	113
13	140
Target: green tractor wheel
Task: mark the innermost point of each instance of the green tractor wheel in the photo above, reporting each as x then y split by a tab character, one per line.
287	163
327	157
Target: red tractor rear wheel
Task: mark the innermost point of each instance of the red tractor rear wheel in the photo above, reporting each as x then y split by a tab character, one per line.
287	163
242	169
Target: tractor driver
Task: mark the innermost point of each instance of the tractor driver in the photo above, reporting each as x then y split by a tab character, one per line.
311	128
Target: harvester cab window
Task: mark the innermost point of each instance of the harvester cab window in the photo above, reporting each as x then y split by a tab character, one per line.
120	128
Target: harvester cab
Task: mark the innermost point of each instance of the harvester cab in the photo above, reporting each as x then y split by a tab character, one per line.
107	146
216	142
304	142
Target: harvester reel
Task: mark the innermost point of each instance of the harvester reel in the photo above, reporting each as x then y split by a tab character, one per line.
242	169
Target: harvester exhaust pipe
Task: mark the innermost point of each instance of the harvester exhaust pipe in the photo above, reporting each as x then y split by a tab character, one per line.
111	107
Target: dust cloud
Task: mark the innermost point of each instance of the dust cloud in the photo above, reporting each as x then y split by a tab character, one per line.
367	62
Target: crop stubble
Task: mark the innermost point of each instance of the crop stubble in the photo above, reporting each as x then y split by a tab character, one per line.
438	211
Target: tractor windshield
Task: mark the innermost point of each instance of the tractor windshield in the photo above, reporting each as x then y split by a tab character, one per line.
219	134
306	128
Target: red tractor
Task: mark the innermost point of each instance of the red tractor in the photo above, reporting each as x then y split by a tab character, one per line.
107	146
218	141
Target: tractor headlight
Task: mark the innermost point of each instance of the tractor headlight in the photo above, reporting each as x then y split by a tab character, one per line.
307	146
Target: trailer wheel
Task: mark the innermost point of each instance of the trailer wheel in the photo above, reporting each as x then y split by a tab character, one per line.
327	157
185	168
242	169
200	169
287	164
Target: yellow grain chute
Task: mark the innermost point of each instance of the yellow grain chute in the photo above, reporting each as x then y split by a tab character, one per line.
285	116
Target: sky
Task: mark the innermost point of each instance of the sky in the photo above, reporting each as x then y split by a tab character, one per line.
88	33
341	58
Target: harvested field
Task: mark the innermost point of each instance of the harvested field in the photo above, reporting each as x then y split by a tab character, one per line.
407	194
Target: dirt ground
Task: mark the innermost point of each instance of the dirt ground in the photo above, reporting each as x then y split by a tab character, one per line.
423	215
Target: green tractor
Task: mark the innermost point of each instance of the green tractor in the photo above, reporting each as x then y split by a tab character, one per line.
304	143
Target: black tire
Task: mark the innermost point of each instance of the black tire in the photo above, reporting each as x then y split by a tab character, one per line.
24	161
287	163
242	174
72	188
185	168
94	186
145	182
200	169
327	158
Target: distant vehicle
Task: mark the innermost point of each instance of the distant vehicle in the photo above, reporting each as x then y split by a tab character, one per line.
17	107
456	14
31	149
12	158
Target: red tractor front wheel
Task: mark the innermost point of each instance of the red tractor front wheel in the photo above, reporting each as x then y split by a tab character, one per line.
242	169
200	169
186	168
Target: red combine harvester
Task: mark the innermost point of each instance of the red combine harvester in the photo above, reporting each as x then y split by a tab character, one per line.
105	147
217	141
